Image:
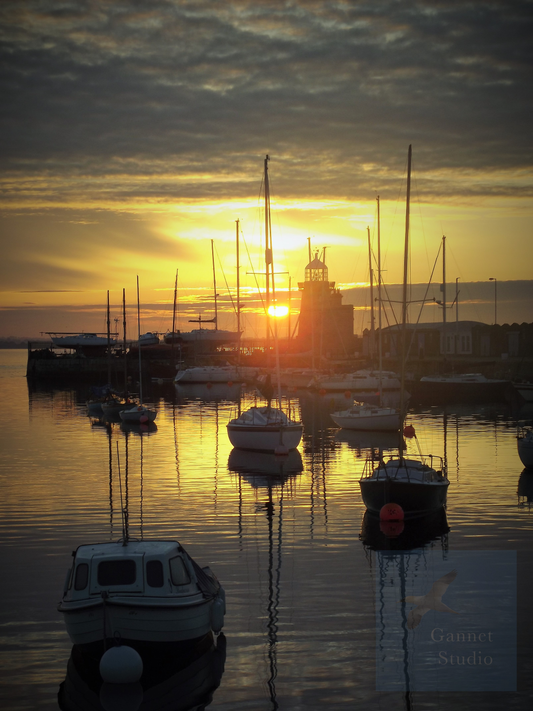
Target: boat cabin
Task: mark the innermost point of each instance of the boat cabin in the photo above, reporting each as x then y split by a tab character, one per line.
144	568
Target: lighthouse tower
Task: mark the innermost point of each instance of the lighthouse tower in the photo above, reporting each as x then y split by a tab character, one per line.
326	325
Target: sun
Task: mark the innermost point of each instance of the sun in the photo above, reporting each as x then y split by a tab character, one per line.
278	311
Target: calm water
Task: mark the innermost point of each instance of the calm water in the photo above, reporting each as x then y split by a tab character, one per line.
311	593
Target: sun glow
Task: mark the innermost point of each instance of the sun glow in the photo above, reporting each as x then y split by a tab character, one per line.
278	311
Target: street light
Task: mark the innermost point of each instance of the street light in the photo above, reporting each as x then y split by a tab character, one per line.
495	298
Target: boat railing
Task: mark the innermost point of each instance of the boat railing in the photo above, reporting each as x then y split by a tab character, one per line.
432	467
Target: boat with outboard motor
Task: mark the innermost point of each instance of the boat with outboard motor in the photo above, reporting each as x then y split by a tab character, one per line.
141	591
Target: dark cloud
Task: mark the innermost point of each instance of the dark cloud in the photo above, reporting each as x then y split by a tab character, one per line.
335	90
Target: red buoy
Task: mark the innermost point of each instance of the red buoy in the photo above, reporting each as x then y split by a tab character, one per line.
391	512
230	383
143	419
347	394
321	391
391	529
209	385
409	431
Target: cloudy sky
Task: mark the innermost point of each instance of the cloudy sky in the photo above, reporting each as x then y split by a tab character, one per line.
135	132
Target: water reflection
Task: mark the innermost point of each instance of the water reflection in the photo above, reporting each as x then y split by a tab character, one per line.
171	680
207	392
265	469
404	535
525	488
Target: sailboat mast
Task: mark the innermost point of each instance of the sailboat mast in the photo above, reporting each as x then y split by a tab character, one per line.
444	296
214	283
405	280
139	342
238	288
268	253
174	316
124	332
372	320
380	344
108	342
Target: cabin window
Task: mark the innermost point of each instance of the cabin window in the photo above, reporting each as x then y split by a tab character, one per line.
116	572
82	576
154	574
178	572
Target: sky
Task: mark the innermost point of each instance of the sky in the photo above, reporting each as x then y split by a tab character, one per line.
134	133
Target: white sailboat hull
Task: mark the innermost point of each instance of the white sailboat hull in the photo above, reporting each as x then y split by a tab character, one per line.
211	374
138	414
379	419
264	438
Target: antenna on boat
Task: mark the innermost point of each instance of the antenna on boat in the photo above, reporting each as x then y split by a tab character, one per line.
122	509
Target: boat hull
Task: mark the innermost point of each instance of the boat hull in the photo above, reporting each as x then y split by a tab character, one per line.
525	451
415	499
137	415
208	374
389	422
411	483
442	392
268	438
133	620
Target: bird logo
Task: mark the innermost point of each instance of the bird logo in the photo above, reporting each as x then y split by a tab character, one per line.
431	601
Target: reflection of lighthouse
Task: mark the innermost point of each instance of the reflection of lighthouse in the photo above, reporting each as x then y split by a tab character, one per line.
325	326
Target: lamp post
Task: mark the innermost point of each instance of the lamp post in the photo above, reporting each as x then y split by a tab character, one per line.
495	298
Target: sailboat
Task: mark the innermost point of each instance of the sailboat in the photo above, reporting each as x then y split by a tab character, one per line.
363	416
138	414
413	483
266	428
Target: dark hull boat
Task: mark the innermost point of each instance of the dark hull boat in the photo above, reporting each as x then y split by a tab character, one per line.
468	388
411	483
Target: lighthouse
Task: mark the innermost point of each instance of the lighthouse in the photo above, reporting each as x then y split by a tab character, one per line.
326	325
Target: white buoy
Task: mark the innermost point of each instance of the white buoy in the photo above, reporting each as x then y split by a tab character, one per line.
121	665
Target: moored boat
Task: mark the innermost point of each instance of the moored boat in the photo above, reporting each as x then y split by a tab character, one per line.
360	382
368	417
214	374
148	590
148	339
264	429
81	340
463	387
410	482
524	443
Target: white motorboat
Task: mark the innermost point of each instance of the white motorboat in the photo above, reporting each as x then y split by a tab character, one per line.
410	482
139	591
148	339
264	429
461	387
218	336
368	417
359	383
137	414
214	374
524	442
82	340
